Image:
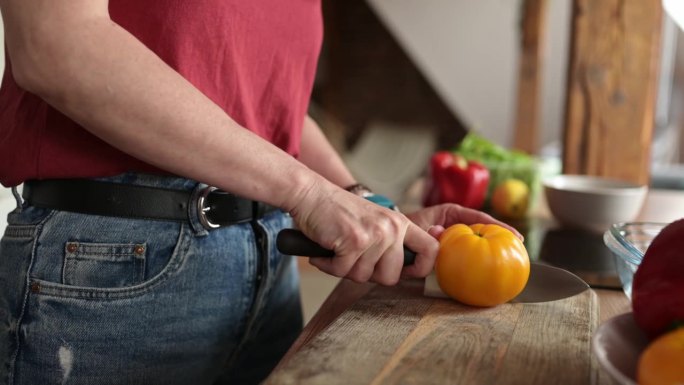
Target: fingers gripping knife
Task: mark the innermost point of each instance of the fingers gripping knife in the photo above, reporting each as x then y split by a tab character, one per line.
546	283
294	242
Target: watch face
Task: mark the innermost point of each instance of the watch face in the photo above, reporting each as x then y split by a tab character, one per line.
359	189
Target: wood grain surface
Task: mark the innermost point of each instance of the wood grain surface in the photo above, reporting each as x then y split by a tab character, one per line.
612	82
397	336
534	15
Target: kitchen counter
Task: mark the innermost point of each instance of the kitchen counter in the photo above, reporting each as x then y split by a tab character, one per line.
365	333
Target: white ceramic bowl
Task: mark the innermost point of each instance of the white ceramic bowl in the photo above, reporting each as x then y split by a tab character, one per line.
593	203
618	343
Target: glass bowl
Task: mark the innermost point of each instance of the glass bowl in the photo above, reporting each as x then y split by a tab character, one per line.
628	243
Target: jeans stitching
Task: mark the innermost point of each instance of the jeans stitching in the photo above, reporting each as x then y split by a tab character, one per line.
260	289
52	289
24	303
117	252
141	267
106	249
68	271
19	231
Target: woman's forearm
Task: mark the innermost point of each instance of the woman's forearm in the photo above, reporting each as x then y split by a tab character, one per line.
102	77
319	155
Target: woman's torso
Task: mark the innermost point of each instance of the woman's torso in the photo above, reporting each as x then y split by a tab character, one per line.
256	59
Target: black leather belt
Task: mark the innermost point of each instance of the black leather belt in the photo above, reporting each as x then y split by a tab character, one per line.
214	208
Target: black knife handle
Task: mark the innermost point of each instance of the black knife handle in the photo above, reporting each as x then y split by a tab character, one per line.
294	242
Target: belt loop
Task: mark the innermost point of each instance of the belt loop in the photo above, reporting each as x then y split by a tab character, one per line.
17	197
258	210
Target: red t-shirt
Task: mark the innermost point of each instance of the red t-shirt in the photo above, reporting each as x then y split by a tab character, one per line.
254	58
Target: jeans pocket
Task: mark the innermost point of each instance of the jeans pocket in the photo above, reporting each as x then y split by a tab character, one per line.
103	264
89	256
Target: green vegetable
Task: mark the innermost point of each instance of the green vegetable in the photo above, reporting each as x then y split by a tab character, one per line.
502	164
478	148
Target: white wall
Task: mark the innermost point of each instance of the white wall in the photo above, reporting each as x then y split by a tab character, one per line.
468	50
2	51
6	199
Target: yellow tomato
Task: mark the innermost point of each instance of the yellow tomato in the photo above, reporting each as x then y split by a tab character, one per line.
511	198
481	265
661	362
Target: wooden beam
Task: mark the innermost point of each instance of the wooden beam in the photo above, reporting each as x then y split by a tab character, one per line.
612	82
532	29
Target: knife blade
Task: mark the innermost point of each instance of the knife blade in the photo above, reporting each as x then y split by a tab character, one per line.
550	283
546	283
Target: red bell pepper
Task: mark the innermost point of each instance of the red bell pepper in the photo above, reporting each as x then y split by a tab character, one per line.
658	285
453	179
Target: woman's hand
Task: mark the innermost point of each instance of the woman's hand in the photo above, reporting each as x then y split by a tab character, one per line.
435	219
368	240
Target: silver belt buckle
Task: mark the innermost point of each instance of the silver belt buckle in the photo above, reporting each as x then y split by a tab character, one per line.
202	209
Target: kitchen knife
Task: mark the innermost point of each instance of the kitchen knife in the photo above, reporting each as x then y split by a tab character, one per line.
546	283
294	242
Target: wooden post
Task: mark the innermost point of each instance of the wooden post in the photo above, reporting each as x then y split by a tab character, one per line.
532	29
612	82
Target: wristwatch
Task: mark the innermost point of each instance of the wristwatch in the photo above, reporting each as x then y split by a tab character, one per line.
363	191
360	189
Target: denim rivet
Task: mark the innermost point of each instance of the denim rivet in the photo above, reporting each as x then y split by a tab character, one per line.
35	287
72	247
139	249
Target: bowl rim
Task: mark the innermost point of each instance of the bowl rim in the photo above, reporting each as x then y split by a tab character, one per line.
621	187
635	255
599	352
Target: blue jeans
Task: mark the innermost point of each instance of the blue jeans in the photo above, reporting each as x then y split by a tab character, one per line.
86	299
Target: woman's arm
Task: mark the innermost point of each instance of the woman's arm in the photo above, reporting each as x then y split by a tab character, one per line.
71	54
319	155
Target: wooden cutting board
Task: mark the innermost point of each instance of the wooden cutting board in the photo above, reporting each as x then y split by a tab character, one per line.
397	336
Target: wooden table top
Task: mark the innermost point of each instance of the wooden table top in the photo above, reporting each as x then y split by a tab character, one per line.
661	206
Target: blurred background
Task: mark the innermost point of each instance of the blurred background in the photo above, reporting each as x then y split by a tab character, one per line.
400	79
